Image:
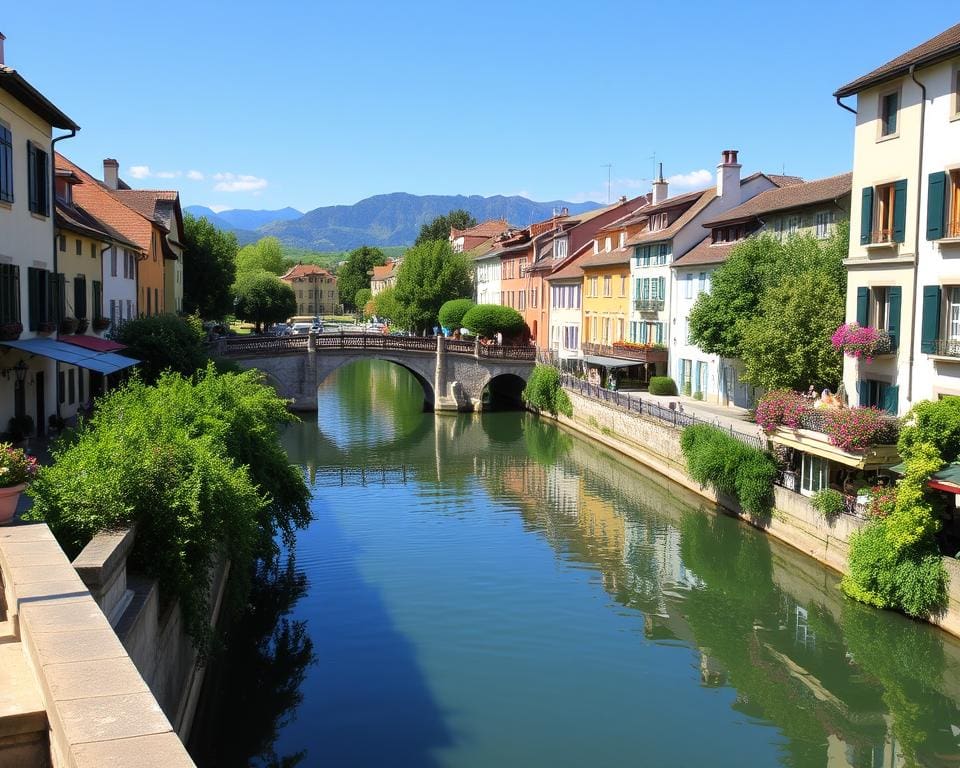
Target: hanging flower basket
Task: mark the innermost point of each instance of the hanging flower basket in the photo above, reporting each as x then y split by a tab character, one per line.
10	331
101	323
860	342
68	325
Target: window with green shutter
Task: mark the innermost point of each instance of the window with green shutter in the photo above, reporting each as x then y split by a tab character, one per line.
80	297
9	293
930	319
96	296
891	397
863	307
936	204
38	191
866	216
6	164
894	295
899	211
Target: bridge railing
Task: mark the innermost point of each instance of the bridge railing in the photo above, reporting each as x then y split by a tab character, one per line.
241	346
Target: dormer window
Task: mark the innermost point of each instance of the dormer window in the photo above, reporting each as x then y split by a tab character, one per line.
596	246
608	244
560	248
658	221
623	239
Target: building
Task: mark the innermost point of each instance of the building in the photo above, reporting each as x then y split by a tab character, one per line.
565	287
486	272
148	233
462	240
30	291
162	207
905	225
811	208
315	289
383	276
676	226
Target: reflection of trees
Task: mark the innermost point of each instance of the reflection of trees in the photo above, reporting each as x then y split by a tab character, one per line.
545	444
253	689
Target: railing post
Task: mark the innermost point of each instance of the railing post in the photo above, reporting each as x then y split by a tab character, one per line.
311	341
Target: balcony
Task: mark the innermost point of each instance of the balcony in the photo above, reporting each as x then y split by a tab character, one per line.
642	353
948	348
648	305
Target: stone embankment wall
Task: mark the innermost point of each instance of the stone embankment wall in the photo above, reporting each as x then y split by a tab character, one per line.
97	699
793	521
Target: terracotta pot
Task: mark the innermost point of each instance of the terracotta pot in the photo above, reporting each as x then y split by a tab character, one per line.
8	502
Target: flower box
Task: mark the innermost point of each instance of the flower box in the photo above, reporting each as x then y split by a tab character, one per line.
46	327
68	326
82	325
101	323
861	342
10	331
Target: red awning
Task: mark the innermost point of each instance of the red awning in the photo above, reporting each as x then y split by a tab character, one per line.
93	342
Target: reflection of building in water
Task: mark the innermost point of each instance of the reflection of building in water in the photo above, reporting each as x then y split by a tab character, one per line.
563	489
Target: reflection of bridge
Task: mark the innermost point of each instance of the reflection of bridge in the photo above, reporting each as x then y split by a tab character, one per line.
453	373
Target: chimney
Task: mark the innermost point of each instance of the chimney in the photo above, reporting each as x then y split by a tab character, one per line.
2	38
728	179
111	173
660	187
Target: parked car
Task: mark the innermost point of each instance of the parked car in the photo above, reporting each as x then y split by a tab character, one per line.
301	329
282	329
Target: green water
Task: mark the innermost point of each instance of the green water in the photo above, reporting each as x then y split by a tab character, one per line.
492	591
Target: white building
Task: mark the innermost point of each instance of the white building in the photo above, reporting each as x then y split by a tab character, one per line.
487	271
905	225
679	229
566	312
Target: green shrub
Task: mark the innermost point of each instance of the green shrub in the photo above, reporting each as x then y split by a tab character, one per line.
196	465
544	391
452	312
164	342
687	388
487	320
698	395
828	502
720	461
662	385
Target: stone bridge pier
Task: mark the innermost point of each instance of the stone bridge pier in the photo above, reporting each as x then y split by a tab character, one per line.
453	374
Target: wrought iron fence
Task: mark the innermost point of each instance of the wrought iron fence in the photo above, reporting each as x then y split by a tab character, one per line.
673	417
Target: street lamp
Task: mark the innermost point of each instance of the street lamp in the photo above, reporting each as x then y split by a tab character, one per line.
19	371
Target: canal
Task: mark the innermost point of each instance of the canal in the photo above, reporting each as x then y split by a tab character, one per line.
493	591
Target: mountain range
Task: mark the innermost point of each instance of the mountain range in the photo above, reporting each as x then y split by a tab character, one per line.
392	219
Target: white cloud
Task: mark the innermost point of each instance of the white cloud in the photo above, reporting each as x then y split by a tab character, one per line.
194	175
692	180
140	171
238	182
218	208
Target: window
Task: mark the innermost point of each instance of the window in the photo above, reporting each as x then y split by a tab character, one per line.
560	248
623	286
956	95
79	247
129	307
62	243
93	255
523	300
658	221
593	287
702	283
607	244
571	337
96	299
533	298
953	315
113	262
113	312
623	239
793	224
9	293
824	224
45	297
607	286
814	474
889	105
883	213
878	394
943	204
80	297
688	285
38	186
6	164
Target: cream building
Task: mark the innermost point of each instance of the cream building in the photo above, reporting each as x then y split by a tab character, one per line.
905	225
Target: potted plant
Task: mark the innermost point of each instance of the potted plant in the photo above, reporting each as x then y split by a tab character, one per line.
20	427
10	331
68	326
17	469
82	325
101	323
46	327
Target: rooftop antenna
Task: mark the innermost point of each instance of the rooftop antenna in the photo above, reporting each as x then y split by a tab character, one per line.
608	166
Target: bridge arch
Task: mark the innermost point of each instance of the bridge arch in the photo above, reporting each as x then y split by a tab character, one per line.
503	391
327	365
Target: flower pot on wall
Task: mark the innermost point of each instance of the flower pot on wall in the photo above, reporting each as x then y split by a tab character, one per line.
46	327
101	323
9	497
82	325
68	325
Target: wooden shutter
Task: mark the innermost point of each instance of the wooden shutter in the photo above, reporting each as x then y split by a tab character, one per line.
936	197
866	216
899	210
895	294
32	181
663	288
33	297
80	297
863	307
930	322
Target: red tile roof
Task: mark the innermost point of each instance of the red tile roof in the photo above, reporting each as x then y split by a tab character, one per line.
705	252
303	270
606	258
490	228
943	46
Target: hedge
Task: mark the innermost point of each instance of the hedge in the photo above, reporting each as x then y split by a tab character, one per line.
486	320
452	312
662	385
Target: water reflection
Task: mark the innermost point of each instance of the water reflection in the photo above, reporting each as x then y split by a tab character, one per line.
454	614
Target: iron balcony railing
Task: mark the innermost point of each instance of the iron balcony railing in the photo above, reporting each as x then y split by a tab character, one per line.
626	352
648	305
948	347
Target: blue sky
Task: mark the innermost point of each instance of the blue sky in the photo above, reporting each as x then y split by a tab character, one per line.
261	105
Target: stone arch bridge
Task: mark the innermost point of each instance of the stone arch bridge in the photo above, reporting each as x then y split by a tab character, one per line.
453	373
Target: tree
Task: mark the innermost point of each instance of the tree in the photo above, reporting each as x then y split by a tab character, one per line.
385	304
439	228
262	297
786	343
754	266
361	297
431	273
354	275
164	342
452	312
487	320
209	268
265	254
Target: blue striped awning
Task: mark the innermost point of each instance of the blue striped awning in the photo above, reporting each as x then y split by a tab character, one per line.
101	362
